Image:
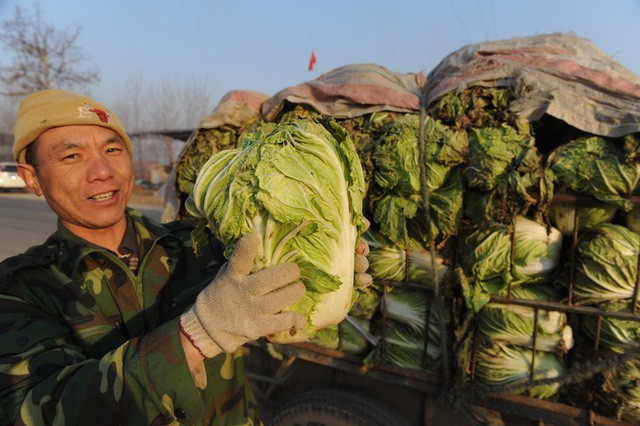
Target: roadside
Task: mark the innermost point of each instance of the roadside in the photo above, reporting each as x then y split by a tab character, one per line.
27	220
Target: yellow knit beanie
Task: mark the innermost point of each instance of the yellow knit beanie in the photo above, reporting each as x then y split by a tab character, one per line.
50	108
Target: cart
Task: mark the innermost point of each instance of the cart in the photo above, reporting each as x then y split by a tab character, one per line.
306	384
312	385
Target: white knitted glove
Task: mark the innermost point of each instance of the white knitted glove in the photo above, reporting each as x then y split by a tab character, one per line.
238	306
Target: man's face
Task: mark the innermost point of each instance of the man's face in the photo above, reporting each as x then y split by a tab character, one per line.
86	175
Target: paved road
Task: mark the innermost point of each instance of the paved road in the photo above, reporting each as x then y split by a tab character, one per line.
27	220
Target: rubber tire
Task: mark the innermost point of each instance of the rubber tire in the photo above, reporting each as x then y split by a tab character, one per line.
335	407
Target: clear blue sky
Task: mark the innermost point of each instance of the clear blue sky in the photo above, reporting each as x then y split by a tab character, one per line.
265	45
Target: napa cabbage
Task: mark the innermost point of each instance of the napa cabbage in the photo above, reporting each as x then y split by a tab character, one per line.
618	335
395	193
410	262
504	177
507	368
517	325
606	264
597	167
490	262
299	187
563	215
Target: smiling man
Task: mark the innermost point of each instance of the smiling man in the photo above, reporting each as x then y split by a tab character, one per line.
85	174
114	320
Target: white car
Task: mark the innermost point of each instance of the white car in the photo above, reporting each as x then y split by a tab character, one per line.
9	178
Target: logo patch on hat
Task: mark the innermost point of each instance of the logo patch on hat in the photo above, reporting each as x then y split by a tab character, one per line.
85	111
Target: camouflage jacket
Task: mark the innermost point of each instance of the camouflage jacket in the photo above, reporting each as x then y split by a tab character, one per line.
86	341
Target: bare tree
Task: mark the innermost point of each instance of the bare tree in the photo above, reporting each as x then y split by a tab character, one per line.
178	106
8	109
134	116
145	108
8	113
43	56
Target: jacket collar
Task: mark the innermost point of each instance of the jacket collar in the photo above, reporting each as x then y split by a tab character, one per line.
72	249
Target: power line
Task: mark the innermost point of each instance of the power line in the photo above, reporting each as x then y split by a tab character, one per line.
464	28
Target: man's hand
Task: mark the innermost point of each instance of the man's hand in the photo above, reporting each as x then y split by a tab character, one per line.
238	306
362	279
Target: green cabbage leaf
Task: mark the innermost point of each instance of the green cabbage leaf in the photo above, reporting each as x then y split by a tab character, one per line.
504	177
409	262
395	194
606	264
516	325
598	168
490	264
299	187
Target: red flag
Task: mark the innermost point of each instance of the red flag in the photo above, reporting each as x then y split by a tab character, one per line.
312	61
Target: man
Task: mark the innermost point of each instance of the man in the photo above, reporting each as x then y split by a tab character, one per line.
113	319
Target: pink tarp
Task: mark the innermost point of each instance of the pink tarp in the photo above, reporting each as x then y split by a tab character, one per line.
351	91
564	76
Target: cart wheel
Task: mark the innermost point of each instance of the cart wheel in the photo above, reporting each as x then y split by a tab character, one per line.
335	407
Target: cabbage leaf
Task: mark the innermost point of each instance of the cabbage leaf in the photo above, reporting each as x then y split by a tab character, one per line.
395	194
597	167
299	187
606	264
489	263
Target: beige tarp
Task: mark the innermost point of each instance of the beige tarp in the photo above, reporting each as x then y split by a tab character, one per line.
351	91
236	108
564	76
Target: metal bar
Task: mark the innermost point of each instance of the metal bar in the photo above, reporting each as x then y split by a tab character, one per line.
405	284
535	341
572	254
415	379
473	348
383	329
512	251
425	341
424	187
282	370
564	197
536	409
598	329
561	307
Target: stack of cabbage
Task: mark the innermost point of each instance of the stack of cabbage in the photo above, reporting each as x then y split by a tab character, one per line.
387	145
236	112
408	319
604	170
504	247
299	187
401	235
506	128
606	268
500	353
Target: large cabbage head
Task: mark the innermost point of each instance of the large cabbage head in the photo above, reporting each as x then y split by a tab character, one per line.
597	167
395	195
299	187
517	325
494	255
409	262
505	176
616	334
606	264
507	368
